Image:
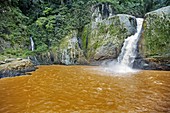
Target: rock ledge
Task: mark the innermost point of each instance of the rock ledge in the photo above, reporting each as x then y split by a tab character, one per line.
15	67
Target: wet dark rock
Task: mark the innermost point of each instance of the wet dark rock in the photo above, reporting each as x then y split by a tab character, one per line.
151	64
16	68
104	62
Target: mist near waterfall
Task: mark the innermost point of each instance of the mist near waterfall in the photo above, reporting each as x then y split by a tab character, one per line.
115	67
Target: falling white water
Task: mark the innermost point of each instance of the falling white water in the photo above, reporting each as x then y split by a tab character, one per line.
127	55
32	43
128	51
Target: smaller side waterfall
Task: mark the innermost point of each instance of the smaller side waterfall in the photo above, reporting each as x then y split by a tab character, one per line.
32	44
128	52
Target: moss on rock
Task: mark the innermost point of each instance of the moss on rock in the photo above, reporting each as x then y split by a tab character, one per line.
109	33
156	35
70	51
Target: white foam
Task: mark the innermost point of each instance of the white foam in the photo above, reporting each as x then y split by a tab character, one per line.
115	67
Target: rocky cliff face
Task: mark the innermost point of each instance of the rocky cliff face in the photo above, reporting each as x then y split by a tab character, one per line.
104	39
155	39
101	39
70	51
102	11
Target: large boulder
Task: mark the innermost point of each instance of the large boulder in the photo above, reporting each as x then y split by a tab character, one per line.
155	39
16	67
104	39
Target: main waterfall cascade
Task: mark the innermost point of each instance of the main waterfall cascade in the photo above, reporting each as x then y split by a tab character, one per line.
128	53
32	44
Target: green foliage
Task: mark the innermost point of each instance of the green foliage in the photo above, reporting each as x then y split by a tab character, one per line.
41	48
85	35
41	21
47	11
13	30
48	21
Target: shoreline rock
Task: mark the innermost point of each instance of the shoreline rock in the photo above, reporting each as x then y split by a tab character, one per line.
16	67
152	64
25	66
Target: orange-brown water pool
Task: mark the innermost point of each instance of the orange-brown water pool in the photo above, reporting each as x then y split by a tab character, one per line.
84	89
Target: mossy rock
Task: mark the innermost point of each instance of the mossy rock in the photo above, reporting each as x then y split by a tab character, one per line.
155	40
70	51
104	39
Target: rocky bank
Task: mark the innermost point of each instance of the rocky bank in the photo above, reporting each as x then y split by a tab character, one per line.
15	67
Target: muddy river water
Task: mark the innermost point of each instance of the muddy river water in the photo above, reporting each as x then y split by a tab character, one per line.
85	89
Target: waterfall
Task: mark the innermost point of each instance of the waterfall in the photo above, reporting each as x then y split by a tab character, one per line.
128	51
128	54
32	43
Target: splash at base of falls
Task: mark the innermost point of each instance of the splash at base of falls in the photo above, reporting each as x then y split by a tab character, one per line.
115	67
